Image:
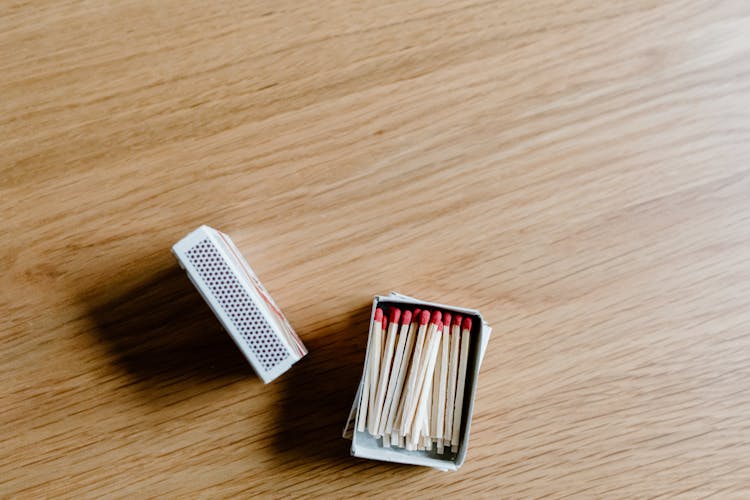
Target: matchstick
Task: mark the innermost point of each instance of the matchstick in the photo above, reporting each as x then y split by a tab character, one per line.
426	417
407	414
396	380
373	361
382	339
364	400
424	383
459	403
394	419
434	400
418	442
452	377
421	424
441	370
409	445
385	369
383	331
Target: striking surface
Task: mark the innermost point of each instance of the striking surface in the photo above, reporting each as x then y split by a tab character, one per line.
578	171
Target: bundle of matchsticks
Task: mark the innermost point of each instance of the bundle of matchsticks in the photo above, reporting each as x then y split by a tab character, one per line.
415	375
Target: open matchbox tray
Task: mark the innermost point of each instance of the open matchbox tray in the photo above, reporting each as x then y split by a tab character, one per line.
366	446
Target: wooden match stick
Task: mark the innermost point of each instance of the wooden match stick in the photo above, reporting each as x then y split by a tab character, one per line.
417	374
373	362
435	397
424	383
441	382
396	380
417	442
421	426
426	417
459	403
382	339
394	419
409	445
407	414
364	399
385	368
452	377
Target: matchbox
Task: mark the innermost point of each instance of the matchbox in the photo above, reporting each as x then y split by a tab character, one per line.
371	426
240	302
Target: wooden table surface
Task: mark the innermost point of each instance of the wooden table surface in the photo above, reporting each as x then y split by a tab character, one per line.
578	171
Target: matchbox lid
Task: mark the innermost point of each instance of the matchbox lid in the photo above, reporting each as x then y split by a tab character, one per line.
240	302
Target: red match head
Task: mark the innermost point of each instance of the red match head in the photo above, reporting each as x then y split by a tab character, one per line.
416	314
467	323
378	314
439	325
457	320
436	317
395	315
424	317
385	322
447	319
406	318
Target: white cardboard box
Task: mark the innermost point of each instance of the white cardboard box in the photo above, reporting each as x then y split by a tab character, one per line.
240	302
366	446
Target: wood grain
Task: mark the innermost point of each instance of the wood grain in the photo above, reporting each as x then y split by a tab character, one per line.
578	171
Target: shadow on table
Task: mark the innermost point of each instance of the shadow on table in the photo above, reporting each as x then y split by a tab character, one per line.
318	391
163	334
166	339
316	398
